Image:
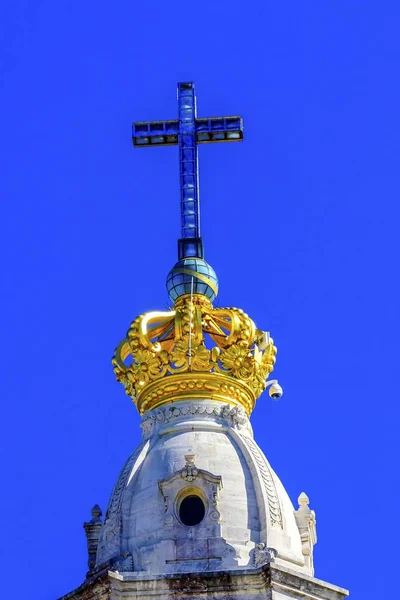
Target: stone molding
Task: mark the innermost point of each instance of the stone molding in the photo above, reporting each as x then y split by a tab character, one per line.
110	536
268	582
207	484
232	416
275	511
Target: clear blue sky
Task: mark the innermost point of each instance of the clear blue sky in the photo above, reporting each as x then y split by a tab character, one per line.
301	223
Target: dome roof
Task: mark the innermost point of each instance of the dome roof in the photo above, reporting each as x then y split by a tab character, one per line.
202	450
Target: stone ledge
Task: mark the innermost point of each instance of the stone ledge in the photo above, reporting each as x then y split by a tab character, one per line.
269	582
92	589
299	585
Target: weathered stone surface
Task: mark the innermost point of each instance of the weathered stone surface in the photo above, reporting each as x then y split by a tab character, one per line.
251	506
250	543
92	530
269	582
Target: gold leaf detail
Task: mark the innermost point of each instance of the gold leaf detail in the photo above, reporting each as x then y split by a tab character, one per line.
199	356
158	345
238	360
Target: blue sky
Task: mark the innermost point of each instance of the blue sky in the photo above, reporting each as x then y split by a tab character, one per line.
300	222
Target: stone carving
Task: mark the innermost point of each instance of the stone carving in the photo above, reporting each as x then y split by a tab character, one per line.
215	514
123	563
169	519
109	542
147	427
238	417
234	416
263	555
207	484
275	512
189	471
306	522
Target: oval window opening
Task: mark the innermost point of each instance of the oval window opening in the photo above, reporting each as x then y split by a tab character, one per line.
192	510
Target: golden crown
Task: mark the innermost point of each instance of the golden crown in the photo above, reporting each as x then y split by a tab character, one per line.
192	352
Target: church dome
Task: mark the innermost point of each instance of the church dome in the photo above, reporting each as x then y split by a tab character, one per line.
199	495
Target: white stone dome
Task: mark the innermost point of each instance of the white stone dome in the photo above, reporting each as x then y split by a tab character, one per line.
202	450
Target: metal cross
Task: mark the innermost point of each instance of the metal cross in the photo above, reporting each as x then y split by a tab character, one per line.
187	132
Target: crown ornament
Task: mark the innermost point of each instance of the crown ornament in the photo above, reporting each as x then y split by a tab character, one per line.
194	351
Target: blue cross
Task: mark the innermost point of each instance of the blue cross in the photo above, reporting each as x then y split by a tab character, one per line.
187	132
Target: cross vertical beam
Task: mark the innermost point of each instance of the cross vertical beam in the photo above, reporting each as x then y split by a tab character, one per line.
186	133
190	243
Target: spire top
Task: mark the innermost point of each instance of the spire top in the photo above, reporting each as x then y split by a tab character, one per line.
166	356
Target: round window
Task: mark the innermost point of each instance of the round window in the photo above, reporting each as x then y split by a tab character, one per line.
192	510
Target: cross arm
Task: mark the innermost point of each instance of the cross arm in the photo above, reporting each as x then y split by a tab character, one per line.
155	133
219	129
208	130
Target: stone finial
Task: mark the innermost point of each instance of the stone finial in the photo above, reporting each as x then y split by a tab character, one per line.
189	471
190	458
96	513
306	522
92	530
303	500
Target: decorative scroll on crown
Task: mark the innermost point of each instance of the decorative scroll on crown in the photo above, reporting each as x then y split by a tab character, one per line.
194	351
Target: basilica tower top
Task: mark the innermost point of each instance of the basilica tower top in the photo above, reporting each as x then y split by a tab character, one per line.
197	509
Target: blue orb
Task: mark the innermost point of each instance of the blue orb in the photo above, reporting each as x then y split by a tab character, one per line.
179	280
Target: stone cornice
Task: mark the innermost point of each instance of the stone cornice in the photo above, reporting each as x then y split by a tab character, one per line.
267	582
